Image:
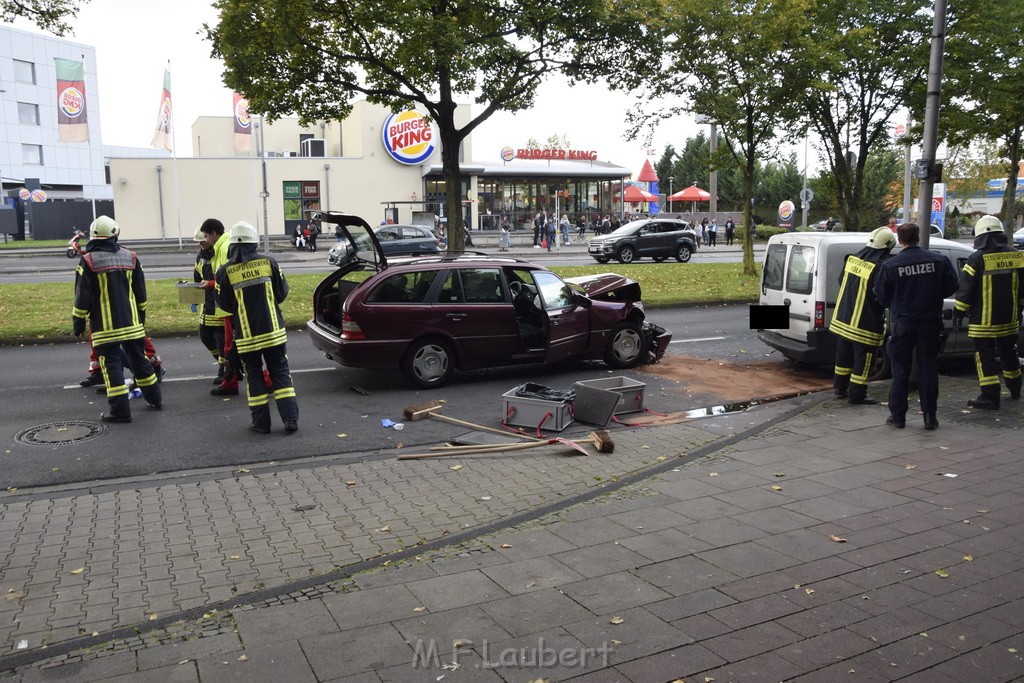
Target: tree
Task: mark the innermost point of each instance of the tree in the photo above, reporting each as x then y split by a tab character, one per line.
867	56
983	75
49	15
313	59
746	75
775	183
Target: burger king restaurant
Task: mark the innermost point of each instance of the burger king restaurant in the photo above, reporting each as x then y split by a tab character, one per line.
375	163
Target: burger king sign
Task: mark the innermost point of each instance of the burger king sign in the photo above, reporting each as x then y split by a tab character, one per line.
409	137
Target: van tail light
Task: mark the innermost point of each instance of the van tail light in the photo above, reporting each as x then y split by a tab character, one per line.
819	315
349	329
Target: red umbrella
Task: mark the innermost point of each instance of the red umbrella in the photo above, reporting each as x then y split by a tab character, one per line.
691	194
635	195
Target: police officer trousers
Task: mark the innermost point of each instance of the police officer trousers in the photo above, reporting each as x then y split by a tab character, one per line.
908	336
985	351
282	389
112	360
853	365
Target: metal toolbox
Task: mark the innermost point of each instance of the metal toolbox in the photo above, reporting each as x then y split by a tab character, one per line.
631	392
520	411
191	293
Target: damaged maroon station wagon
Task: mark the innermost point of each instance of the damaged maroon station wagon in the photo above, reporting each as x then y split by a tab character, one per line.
429	316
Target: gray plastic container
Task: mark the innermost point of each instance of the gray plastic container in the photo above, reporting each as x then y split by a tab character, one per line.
631	392
519	411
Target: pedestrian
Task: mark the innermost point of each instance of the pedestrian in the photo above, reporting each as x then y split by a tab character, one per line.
539	221
892	223
830	224
564	225
216	236
615	223
110	292
251	287
581	227
730	230
297	238
912	285
704	231
859	319
550	230
990	293
211	328
606	224
713	234
314	232
504	236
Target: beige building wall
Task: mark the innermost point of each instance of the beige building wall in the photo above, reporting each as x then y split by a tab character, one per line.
160	198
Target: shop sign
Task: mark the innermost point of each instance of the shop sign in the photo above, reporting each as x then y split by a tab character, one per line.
787	210
531	153
311	189
292	189
409	137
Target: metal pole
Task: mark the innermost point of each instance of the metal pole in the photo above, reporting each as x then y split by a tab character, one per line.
160	196
931	120
265	193
713	189
803	195
670	194
907	177
327	188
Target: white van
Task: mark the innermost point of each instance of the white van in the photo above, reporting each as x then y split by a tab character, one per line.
803	270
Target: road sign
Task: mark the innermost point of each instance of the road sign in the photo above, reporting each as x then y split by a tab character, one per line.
807	195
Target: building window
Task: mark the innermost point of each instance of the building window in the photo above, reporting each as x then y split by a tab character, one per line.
24	72
32	155
28	114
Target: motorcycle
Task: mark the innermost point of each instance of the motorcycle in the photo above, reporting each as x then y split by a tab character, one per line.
74	248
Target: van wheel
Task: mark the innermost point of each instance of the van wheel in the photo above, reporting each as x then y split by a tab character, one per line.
626	255
428	364
683	253
880	366
627	346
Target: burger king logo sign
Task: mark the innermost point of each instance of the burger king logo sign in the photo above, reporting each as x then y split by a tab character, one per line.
71	101
409	137
242	113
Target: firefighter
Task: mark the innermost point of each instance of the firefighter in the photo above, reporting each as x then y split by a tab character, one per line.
218	238
110	290
251	287
990	293
913	285
859	320
211	328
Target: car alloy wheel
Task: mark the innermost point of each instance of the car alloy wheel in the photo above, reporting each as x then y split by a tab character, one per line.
627	346
428	364
683	253
626	255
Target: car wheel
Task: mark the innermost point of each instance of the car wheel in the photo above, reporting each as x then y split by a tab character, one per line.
627	346
658	259
428	364
626	255
602	259
881	368
683	253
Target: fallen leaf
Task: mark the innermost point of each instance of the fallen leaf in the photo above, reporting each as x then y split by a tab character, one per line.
968	558
55	469
967	521
243	658
303	508
385	529
809	591
836	539
778	474
505	545
350	482
152	617
942	573
712	474
708	679
13	489
1012	649
910	467
342	436
242	470
450	666
419	609
235	557
661	457
923	634
945	448
455	468
62	429
616	642
616	620
776	488
981	512
78	571
460	642
961	638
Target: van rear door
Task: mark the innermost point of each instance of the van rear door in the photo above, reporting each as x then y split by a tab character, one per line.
788	279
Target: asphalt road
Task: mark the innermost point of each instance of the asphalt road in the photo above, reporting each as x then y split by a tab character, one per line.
198	430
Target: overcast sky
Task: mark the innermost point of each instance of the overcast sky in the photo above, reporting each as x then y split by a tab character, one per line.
135	38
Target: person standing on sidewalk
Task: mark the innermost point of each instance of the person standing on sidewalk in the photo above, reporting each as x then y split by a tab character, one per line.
251	287
564	226
730	230
990	293
912	285
713	234
110	291
859	320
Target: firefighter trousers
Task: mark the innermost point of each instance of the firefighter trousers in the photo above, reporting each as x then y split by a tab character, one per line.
853	365
276	360
992	354
112	358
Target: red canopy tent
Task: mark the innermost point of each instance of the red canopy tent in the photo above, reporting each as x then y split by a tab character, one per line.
635	195
691	194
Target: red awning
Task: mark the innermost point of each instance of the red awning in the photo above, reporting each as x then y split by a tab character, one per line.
690	194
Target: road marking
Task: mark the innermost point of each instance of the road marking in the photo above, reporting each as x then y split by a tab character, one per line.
206	378
699	339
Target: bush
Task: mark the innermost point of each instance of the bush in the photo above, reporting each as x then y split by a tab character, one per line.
764	232
952	230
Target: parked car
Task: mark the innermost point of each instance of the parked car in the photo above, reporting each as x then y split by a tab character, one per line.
822	226
803	271
395	240
1018	239
429	316
656	238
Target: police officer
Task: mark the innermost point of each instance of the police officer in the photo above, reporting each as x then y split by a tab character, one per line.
110	290
912	285
859	320
211	328
251	287
991	294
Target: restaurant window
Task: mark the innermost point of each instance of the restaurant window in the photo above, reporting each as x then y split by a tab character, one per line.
28	114
24	72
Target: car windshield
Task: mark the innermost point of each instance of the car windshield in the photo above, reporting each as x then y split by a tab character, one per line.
627	229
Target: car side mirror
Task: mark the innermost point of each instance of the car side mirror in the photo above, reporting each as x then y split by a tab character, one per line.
582	300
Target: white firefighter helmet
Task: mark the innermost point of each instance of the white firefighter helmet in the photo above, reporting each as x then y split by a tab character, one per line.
103	227
882	238
243	233
987	224
199	235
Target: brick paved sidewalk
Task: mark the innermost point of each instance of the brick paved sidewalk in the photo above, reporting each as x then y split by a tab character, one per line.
725	566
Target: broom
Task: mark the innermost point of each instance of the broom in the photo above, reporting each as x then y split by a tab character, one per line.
601	440
421	411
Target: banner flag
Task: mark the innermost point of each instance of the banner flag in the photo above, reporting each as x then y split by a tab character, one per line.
243	124
162	137
72	120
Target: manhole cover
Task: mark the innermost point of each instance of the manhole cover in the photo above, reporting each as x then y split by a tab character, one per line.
61	433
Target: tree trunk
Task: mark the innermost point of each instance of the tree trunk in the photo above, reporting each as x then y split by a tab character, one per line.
1010	196
748	214
453	188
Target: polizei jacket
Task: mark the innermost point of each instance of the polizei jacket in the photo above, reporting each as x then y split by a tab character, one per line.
251	287
110	290
858	315
990	287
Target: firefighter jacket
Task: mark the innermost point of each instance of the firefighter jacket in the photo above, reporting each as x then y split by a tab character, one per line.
913	283
251	287
858	315
220	258
204	272
110	290
990	287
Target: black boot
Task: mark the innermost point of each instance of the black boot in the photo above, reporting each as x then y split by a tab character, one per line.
96	377
988	400
840	385
897	422
1013	384
858	396
930	421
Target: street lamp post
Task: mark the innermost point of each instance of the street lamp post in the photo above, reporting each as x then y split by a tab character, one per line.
670	194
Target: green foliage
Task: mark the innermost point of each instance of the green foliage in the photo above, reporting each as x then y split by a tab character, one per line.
49	15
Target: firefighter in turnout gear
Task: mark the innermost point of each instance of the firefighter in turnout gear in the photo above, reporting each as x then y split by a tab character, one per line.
859	320
110	291
211	328
217	238
913	285
251	287
990	296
